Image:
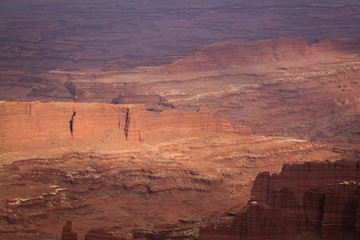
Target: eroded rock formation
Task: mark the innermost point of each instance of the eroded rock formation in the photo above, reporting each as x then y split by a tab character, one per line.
315	198
101	235
100	173
281	87
67	233
73	125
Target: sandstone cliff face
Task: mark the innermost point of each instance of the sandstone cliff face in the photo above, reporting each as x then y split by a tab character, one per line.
222	55
36	126
94	167
313	197
281	87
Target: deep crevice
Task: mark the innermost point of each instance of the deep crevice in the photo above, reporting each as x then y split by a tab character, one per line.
71	123
127	123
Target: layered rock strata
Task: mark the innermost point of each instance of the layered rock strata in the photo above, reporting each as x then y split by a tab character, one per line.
92	167
73	35
101	235
67	233
321	198
37	126
283	87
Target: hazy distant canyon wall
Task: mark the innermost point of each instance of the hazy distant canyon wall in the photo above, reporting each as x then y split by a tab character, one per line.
42	35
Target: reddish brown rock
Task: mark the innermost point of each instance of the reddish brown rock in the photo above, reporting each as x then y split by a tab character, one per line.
283	207
67	233
217	230
220	55
56	125
99	173
340	209
281	87
357	226
302	177
101	235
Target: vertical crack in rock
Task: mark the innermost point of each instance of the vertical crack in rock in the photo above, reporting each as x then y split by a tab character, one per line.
72	123
30	109
127	123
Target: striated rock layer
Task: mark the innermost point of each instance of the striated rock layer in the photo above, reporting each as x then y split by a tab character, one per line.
67	233
314	200
40	127
130	171
281	87
39	35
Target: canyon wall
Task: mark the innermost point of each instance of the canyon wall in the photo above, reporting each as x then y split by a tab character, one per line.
35	126
314	199
130	171
282	87
222	55
42	35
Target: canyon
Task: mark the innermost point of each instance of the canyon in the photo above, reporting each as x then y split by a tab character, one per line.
41	35
306	91
108	135
94	168
314	200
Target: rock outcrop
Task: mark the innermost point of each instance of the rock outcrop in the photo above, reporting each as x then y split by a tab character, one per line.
67	233
95	234
320	198
219	56
54	125
101	235
281	87
70	35
86	162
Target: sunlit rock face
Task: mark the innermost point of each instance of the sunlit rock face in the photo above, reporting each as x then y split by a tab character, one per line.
100	165
151	119
281	87
36	126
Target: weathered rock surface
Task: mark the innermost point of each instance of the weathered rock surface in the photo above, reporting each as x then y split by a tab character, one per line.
101	235
96	234
283	87
67	233
40	127
162	169
320	198
44	35
163	185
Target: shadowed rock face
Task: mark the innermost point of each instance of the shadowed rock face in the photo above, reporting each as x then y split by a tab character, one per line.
164	168
128	170
318	198
67	233
282	87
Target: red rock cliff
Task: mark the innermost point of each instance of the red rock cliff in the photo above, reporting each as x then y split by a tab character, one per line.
320	198
35	126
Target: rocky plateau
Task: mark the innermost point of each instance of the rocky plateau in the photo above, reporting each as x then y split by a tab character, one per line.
111	128
130	171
